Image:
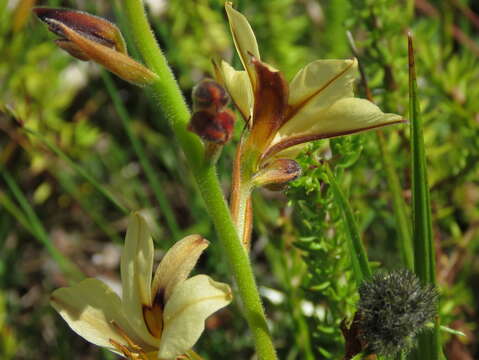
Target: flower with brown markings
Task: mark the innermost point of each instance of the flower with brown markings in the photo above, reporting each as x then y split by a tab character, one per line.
158	317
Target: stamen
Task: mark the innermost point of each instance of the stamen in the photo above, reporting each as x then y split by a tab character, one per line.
125	336
136	352
124	350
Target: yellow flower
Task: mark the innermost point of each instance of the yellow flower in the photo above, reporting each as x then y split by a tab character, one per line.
318	103
158	317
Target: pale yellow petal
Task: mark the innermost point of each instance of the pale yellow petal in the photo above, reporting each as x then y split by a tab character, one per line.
351	115
136	273
244	39
177	264
322	82
345	116
191	303
89	308
238	85
290	152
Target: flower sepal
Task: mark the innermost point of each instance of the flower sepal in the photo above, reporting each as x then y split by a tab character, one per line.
88	37
276	175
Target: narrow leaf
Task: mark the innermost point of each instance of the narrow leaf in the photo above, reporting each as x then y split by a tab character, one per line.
82	172
358	254
36	227
424	254
148	168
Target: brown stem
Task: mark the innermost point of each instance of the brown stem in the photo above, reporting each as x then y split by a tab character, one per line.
235	185
248	224
240	201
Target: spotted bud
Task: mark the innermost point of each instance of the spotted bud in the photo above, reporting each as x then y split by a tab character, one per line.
277	174
213	127
208	95
89	37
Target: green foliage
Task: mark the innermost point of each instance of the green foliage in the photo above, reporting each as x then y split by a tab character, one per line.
66	102
322	233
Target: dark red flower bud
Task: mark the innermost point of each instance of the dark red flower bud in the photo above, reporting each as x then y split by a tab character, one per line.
213	127
209	95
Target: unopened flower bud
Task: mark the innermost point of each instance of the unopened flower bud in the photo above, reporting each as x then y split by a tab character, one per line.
93	27
277	174
215	128
209	95
89	37
393	308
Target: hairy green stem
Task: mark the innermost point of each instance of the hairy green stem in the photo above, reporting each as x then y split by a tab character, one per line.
172	104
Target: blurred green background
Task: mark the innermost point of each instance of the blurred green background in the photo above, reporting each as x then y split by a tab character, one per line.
47	206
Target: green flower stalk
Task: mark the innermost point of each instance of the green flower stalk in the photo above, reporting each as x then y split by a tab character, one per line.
172	104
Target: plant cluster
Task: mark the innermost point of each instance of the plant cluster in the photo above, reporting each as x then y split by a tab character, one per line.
312	225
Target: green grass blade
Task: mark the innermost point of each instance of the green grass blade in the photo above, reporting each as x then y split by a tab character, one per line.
403	224
82	172
424	254
10	206
35	225
359	258
144	161
72	189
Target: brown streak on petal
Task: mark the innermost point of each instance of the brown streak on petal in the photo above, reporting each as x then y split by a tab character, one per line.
294	108
159	298
296	140
153	317
270	104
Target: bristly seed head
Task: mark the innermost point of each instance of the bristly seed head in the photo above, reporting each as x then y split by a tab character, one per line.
394	307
